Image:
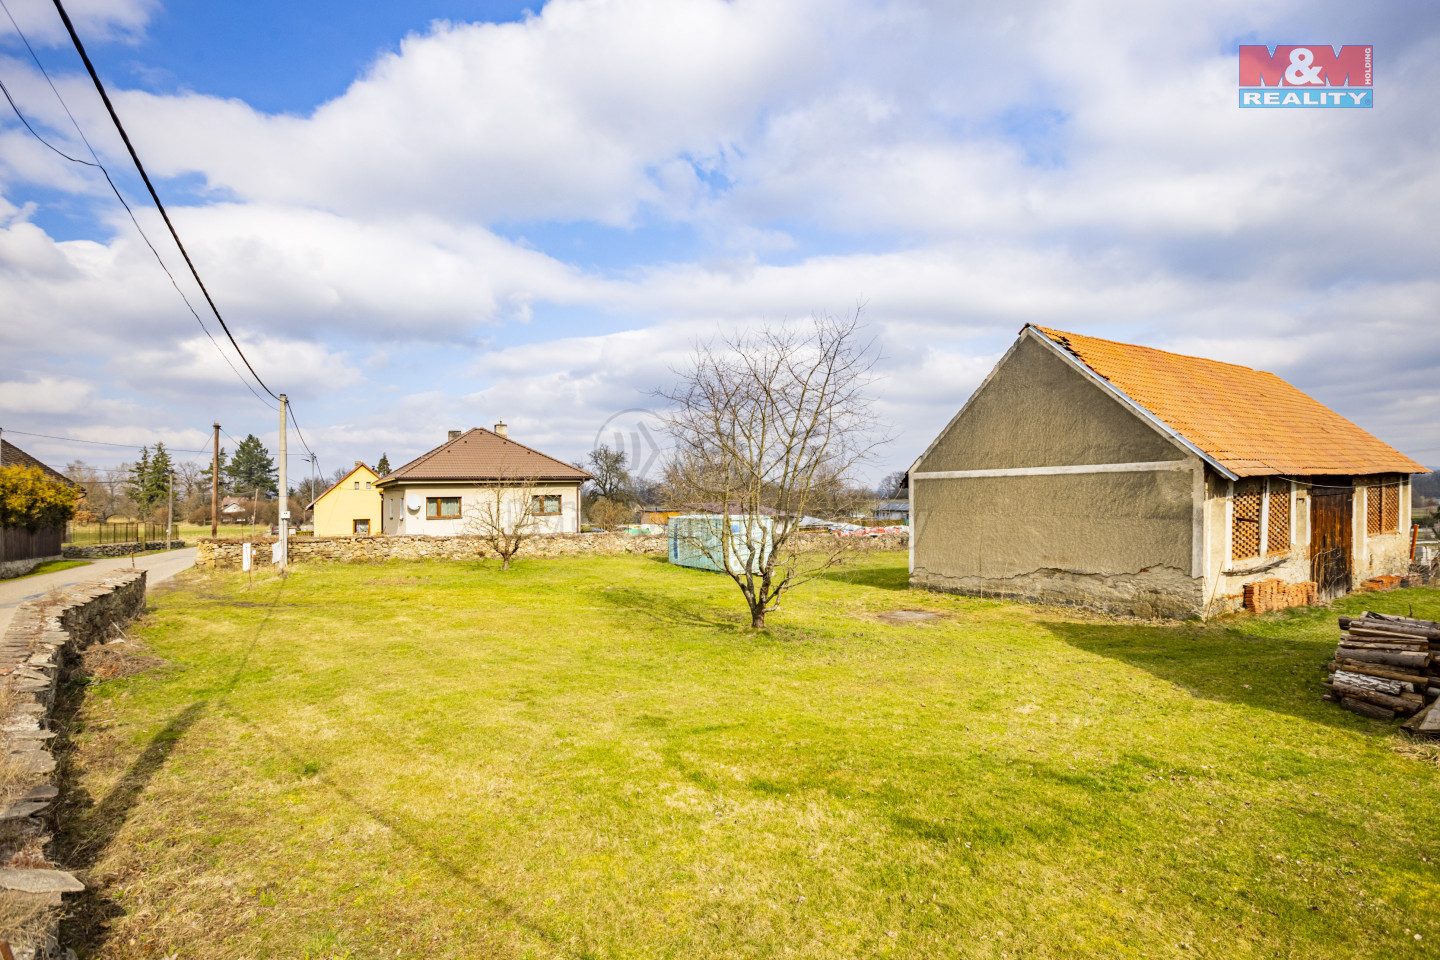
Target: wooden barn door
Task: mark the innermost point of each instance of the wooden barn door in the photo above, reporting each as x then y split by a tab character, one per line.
1330	539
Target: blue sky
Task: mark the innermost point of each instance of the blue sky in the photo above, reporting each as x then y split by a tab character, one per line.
424	216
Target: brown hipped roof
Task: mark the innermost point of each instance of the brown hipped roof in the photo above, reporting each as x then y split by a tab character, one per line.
483	455
1251	422
13	456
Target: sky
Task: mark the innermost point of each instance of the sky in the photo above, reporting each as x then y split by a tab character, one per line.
427	215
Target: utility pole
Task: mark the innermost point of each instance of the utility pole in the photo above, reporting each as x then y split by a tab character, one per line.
169	508
284	492
215	488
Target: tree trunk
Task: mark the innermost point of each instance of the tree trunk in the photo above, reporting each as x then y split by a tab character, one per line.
757	618
1394	658
1366	709
505	562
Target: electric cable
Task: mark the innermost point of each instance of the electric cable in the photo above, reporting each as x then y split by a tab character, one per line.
159	205
154	196
33	132
116	190
102	443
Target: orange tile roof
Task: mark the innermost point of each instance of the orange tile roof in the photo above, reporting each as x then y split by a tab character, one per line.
1250	421
480	454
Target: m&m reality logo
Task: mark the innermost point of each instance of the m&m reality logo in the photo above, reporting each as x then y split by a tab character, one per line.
1309	76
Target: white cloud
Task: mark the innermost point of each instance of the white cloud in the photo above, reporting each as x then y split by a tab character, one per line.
561	115
95	20
964	170
46	395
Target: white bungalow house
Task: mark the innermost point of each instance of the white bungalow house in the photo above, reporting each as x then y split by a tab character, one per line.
440	493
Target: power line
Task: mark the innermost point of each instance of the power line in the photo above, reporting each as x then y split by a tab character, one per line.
6	90
115	189
115	118
159	205
101	443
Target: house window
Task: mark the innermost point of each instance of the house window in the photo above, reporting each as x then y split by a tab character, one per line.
1382	508
1245	520
442	508
357	484
547	505
367	484
361	527
1277	529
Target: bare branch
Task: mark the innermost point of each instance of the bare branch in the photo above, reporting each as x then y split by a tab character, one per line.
504	515
772	426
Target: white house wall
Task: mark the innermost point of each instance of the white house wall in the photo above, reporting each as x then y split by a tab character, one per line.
397	518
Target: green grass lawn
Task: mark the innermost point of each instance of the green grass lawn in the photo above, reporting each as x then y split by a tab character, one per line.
594	758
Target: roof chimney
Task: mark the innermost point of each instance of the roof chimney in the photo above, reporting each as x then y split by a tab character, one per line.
454	434
359	463
500	429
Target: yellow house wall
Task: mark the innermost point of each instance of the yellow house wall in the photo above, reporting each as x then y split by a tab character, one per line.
336	511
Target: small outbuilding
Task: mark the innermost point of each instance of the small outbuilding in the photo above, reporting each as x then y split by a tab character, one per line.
1138	481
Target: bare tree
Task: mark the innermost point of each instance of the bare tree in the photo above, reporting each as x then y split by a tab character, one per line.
610	478
769	429
190	485
505	514
893	486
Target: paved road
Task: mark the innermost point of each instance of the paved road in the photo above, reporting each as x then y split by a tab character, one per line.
162	566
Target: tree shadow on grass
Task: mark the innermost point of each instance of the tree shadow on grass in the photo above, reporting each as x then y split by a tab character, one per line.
880	578
88	828
665	610
495	902
1227	665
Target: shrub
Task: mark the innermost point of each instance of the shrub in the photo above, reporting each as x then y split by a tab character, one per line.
28	498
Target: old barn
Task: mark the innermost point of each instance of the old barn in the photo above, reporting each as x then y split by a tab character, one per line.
1139	481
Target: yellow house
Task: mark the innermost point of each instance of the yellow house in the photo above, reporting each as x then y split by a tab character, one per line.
351	508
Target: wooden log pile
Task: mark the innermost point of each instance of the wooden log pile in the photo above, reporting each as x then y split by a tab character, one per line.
1262	596
1386	666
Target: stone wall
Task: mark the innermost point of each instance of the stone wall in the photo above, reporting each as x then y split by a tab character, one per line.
44	635
221	554
96	550
18	568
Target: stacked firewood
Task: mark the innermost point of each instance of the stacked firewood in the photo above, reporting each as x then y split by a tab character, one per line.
1387	665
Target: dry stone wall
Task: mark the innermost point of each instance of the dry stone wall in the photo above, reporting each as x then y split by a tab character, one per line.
94	550
44	635
222	554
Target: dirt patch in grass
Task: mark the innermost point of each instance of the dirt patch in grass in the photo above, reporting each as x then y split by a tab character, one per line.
395	581
1424	750
122	658
906	617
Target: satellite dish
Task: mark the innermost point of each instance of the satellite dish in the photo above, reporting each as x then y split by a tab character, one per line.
414	503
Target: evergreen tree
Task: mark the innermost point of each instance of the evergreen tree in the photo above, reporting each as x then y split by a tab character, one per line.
383	467
205	478
148	478
252	468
